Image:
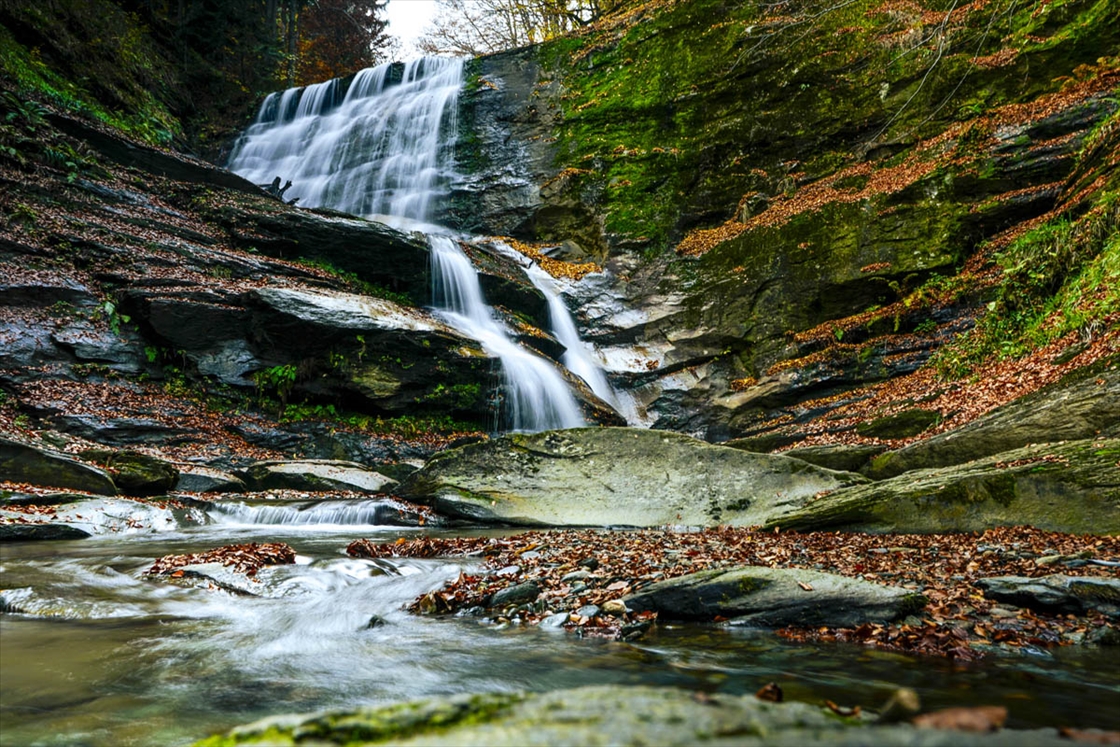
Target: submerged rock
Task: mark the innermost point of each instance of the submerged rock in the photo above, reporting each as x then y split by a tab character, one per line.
1068	487
28	532
613	715
775	597
615	476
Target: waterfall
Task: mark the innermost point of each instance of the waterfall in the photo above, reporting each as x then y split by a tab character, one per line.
326	514
383	148
534	395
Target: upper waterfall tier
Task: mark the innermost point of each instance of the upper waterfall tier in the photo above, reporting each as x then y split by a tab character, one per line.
379	147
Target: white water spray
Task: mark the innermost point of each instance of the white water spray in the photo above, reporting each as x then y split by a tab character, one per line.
383	149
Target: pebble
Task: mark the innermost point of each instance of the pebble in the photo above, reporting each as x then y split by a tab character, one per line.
576	576
588	610
554	622
615	607
588	563
509	570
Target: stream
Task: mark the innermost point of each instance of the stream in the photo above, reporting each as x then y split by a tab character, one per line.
115	658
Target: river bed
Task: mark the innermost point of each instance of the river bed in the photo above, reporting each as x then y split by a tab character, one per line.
115	658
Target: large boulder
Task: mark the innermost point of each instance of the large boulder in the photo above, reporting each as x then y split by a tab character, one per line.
775	597
20	462
1067	487
602	715
615	476
1085	406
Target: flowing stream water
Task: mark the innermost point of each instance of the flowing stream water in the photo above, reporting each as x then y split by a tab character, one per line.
92	652
106	656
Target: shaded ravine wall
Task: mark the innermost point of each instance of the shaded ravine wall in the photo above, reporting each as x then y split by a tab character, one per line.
746	184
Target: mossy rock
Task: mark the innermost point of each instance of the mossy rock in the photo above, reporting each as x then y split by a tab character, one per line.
136	473
1065	487
612	714
1085	404
20	462
614	477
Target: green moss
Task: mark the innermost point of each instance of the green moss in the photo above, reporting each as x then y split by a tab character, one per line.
146	118
371	725
1059	278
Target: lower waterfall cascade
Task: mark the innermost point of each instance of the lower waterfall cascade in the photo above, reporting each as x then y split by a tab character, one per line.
382	148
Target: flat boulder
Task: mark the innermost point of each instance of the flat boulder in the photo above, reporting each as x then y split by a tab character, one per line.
315	475
199	479
610	714
1084	405
20	462
1069	595
1064	487
75	519
615	477
775	597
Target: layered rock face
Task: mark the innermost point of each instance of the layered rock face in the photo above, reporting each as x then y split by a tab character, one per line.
780	211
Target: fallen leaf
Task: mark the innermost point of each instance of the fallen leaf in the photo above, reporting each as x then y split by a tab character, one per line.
771	692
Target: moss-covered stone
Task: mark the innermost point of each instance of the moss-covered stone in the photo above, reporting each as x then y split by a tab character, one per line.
1063	487
135	473
613	715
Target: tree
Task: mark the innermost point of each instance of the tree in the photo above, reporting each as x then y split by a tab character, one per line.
338	37
476	27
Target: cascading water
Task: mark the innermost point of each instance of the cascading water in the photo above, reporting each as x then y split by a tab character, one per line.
383	149
535	396
379	148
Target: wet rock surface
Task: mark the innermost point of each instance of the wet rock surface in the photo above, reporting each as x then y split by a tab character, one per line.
773	597
615	476
606	715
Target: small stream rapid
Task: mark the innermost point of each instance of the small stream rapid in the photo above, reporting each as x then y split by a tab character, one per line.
106	656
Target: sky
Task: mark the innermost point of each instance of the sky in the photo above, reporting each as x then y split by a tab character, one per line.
407	19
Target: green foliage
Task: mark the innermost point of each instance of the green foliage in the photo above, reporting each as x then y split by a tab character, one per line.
404	426
147	119
457	396
1060	278
108	311
357	284
279	379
